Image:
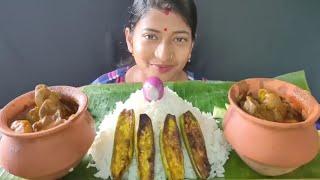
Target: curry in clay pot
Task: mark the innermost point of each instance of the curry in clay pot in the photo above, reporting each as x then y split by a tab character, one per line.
271	125
46	132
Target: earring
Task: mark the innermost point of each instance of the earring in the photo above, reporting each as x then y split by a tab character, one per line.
189	60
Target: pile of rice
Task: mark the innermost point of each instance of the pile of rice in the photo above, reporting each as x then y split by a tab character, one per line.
217	147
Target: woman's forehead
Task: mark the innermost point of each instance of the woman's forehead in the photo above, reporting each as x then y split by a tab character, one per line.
163	19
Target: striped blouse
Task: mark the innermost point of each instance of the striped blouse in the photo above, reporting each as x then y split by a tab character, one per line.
118	76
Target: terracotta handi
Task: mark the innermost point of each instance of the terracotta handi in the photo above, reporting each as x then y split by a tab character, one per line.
51	153
272	148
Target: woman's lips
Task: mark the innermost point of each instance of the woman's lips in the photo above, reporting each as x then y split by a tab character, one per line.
162	68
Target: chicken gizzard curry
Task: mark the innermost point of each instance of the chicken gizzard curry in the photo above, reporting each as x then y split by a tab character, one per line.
50	110
270	106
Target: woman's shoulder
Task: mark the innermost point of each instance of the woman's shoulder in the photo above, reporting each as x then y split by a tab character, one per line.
193	76
115	76
118	76
190	75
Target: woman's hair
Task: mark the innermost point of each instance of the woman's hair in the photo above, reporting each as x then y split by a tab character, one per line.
185	8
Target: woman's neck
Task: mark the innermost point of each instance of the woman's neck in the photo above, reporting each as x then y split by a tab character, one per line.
134	74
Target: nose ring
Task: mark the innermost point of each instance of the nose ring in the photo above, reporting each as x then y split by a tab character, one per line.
171	57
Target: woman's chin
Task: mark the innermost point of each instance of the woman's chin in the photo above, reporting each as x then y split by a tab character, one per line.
163	77
170	76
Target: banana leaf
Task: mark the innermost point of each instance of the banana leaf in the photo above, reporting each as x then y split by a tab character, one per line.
102	99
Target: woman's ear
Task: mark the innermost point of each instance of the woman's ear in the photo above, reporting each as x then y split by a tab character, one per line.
128	35
191	50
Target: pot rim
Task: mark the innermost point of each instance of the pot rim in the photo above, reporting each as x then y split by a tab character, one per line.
67	91
310	120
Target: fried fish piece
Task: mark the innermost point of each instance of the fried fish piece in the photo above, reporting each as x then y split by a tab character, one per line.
171	150
123	144
145	148
195	144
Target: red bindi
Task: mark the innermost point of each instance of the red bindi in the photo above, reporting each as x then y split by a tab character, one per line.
167	11
165	29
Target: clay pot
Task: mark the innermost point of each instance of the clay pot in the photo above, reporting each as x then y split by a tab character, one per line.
272	148
51	153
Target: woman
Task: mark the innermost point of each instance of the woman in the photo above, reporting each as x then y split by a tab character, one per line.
160	36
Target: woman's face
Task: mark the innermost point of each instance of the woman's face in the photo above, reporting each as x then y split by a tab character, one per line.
161	44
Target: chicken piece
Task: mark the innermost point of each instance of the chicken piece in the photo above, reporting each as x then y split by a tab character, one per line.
65	111
47	122
41	94
21	126
42	123
48	101
54	96
33	115
271	100
274	103
250	105
264	113
48	107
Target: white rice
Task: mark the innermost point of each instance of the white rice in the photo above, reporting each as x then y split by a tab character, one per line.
217	147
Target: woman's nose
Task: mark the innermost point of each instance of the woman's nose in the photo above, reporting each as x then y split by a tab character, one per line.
164	52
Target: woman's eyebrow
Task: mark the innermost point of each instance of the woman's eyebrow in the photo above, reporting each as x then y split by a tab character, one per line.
182	31
150	29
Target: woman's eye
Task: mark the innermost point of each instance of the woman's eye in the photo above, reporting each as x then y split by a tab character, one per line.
181	39
150	36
